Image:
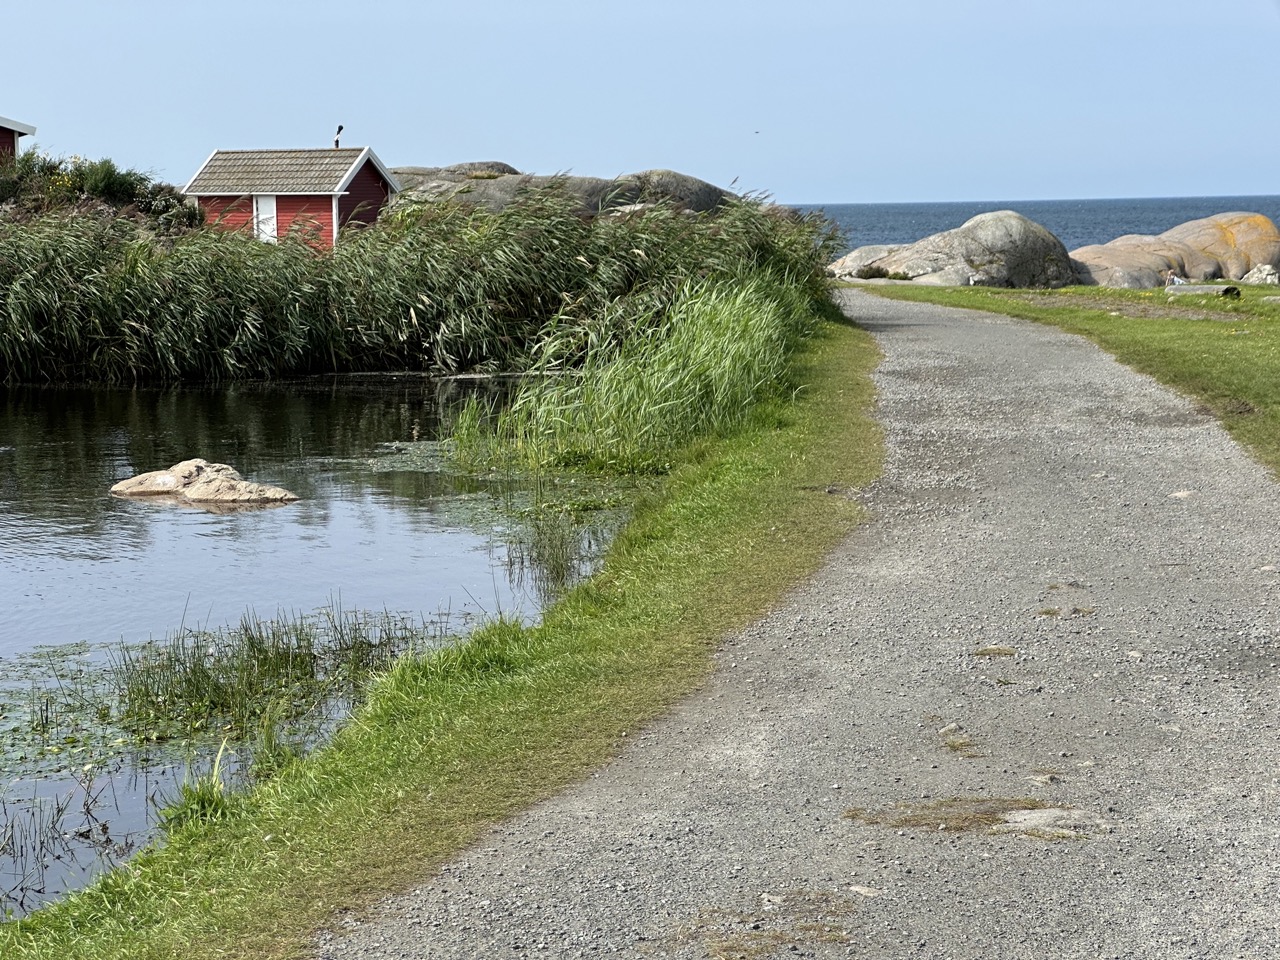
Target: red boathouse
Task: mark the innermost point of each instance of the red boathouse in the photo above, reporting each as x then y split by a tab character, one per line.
274	191
10	131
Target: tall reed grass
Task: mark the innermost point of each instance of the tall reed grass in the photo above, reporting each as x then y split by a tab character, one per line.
445	287
721	349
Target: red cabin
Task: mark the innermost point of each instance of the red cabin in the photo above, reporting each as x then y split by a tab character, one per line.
274	191
10	131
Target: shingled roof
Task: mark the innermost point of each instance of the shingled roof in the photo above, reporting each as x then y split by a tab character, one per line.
283	172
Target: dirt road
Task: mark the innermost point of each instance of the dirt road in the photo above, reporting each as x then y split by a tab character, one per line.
1029	710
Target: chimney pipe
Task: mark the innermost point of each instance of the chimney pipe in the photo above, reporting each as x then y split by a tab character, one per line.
336	136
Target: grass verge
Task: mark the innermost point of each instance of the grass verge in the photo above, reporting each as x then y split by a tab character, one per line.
451	743
1225	353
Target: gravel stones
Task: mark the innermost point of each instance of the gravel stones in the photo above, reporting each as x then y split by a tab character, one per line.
1137	726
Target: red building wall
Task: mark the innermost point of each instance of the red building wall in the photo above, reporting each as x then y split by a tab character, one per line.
365	196
310	214
8	142
229	213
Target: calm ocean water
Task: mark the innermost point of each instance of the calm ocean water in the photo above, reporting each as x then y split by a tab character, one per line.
1076	223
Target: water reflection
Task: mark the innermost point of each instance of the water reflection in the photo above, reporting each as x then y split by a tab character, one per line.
77	564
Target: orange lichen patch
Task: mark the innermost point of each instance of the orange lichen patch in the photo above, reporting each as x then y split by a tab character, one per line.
1243	240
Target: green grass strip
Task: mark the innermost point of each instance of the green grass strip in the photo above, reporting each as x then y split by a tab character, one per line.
451	744
1224	353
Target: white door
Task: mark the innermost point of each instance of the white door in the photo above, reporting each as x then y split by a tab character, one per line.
264	217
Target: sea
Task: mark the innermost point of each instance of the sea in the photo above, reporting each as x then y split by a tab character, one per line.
1077	223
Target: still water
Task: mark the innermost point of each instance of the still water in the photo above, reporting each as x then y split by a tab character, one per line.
380	527
78	565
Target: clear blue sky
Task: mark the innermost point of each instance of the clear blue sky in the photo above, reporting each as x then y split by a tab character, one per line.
808	100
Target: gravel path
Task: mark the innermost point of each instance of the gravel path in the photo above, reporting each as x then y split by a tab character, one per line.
1043	677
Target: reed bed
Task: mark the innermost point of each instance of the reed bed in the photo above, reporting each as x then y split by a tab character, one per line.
723	348
438	287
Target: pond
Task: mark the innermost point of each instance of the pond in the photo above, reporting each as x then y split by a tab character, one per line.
380	527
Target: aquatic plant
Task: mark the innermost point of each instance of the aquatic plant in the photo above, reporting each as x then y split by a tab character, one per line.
258	672
201	798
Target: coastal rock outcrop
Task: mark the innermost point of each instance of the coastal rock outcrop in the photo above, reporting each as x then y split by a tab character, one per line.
201	482
1264	273
998	249
1225	246
494	185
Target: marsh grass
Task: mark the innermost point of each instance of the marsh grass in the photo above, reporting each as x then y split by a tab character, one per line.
202	798
723	349
441	286
258	673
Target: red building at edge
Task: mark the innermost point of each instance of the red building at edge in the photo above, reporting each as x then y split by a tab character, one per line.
274	191
10	131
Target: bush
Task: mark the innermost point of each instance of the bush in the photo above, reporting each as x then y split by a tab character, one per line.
42	183
170	208
104	180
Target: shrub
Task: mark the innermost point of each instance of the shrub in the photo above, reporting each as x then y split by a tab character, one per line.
41	183
104	180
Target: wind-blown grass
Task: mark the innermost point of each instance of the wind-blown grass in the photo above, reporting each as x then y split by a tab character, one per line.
440	286
723	348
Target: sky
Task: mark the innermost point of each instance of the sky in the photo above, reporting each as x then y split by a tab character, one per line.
808	101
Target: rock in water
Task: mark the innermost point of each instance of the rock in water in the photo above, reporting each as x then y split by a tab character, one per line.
999	249
202	482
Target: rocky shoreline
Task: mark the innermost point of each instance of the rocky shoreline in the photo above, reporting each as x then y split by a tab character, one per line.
1006	249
